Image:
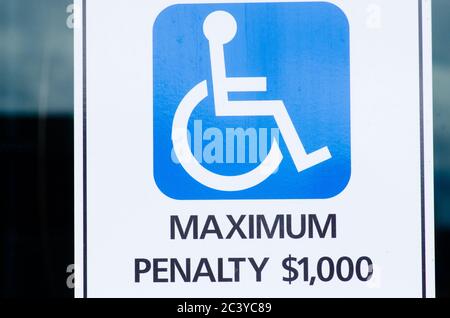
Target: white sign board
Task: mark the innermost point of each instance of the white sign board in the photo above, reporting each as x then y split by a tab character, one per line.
254	149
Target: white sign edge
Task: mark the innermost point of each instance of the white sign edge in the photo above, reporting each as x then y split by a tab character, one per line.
428	228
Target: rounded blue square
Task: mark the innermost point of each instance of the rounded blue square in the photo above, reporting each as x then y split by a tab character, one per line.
302	49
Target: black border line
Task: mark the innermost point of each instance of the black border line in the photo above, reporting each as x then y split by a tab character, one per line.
84	154
422	152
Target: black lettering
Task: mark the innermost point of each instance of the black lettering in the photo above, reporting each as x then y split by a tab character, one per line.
302	231
258	269
237	266
185	275
236	226
209	273
220	277
322	232
157	269
138	270
211	220
270	233
175	222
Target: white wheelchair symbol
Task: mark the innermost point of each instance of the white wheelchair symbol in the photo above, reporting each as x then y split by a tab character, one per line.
220	27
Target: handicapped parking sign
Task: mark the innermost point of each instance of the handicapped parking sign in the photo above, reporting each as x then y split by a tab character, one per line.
252	101
254	149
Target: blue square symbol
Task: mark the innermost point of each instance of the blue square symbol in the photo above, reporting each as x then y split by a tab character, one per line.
251	101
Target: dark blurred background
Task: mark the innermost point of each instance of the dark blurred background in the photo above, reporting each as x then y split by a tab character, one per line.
36	147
